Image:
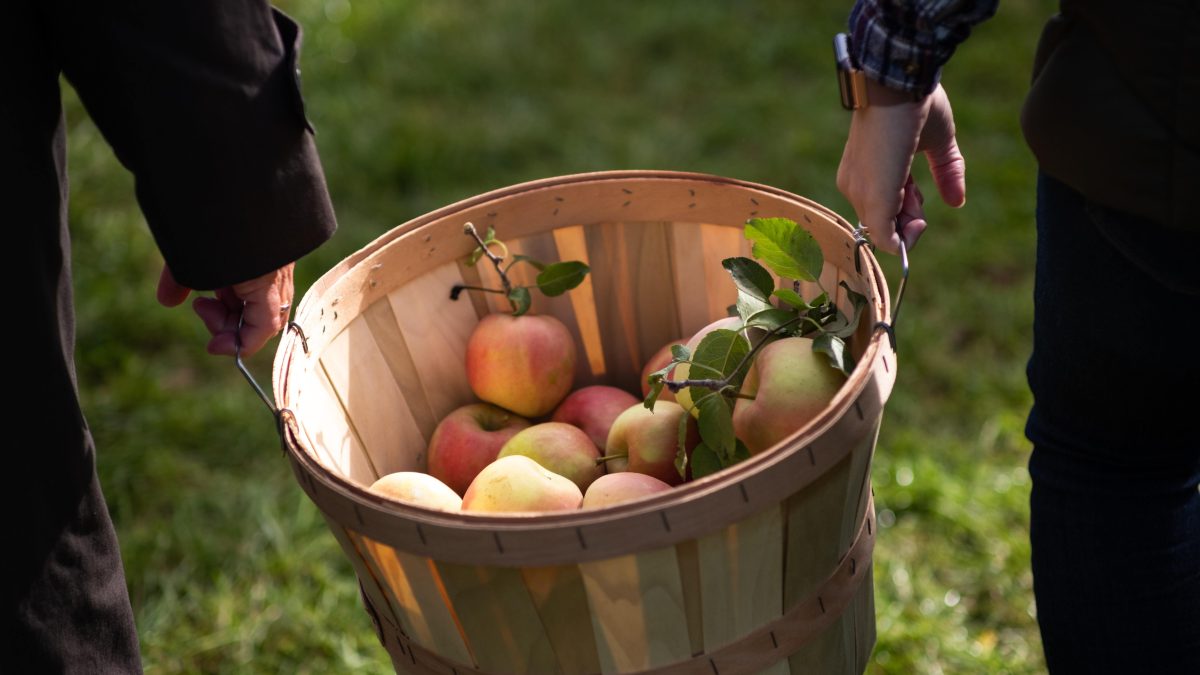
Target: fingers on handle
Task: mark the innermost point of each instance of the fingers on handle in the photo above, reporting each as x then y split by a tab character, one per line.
911	219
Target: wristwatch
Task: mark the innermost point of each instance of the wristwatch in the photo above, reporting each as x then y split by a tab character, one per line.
851	81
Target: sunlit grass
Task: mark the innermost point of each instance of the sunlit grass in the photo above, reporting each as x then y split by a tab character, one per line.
232	569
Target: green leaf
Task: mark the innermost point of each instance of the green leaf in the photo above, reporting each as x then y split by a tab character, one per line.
748	305
520	299
561	277
656	387
788	249
719	354
771	319
716	426
656	382
741	454
792	298
750	277
834	348
526	259
681	453
680	353
705	462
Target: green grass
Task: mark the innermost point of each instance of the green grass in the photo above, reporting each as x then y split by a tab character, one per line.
418	104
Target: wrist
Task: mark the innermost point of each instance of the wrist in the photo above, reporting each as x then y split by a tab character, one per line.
879	94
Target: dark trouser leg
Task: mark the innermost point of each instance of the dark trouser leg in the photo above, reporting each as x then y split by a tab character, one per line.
70	610
1115	512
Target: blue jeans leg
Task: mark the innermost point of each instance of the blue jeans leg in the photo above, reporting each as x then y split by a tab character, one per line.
1115	511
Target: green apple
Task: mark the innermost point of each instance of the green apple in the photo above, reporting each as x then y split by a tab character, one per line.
559	447
791	384
517	484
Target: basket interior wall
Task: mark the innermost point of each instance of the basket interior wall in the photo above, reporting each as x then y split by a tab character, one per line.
380	386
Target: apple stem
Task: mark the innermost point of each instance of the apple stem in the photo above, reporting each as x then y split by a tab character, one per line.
469	229
459	288
606	458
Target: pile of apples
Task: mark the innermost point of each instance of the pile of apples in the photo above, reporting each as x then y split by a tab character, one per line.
532	444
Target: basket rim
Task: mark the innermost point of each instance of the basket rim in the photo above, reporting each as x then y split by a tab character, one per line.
866	390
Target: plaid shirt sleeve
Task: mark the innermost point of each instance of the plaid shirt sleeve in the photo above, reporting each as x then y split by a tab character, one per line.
904	43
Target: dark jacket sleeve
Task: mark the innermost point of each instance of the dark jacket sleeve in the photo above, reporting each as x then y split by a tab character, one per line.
201	102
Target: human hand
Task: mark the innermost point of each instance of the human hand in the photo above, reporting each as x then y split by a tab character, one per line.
875	171
259	305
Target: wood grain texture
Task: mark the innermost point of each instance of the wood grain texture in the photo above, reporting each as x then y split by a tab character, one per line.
561	600
436	329
334	441
370	582
373	400
814	528
863	609
638	615
688	554
414	591
399	359
571	243
499	619
637	310
690	275
741	576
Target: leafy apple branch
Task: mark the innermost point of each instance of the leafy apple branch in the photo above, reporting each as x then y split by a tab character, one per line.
552	280
724	356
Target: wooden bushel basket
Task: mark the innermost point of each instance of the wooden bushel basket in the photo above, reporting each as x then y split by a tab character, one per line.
762	567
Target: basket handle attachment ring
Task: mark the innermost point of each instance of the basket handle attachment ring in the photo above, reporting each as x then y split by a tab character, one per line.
860	240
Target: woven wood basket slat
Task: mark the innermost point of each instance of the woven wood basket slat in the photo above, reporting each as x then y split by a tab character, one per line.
764	567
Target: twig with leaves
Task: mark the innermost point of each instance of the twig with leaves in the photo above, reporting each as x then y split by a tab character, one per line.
768	314
553	279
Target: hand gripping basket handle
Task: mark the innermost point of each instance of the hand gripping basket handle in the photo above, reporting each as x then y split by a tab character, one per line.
276	413
860	240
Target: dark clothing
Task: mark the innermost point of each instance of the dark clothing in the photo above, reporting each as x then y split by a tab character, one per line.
1113	107
1115	512
903	44
200	101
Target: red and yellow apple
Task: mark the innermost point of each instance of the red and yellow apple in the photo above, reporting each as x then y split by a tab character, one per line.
417	488
519	484
559	447
593	410
617	488
468	439
649	439
525	364
791	384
